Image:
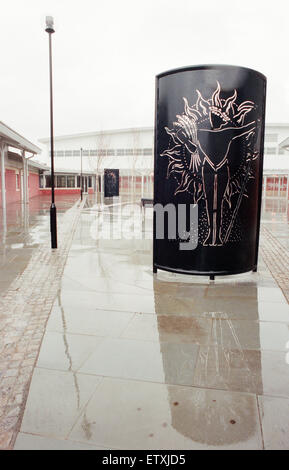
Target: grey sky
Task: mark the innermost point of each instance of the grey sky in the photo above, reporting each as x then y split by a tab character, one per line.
106	55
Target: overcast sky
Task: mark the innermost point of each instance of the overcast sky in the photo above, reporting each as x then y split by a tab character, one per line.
106	55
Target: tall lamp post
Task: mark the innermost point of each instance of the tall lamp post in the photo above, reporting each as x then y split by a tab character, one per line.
81	187
53	225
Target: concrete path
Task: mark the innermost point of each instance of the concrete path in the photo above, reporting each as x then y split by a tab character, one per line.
30	278
135	361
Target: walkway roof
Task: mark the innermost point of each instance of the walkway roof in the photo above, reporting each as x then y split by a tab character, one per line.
32	163
16	140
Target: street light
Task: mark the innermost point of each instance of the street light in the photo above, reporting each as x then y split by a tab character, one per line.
53	225
81	188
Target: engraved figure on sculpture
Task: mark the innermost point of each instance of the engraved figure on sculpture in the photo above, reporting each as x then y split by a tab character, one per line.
199	160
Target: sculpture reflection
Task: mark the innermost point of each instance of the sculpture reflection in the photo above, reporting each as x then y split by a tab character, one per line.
215	365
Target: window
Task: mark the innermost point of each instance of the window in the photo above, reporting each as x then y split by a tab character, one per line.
17	182
90	181
47	181
110	153
40	181
129	151
147	151
93	153
61	181
76	153
281	151
60	153
68	153
71	181
85	153
120	152
78	182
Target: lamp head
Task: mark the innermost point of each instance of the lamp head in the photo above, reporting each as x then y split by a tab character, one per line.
49	24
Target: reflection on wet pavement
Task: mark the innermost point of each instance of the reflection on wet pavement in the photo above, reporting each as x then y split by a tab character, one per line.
31	274
132	360
22	229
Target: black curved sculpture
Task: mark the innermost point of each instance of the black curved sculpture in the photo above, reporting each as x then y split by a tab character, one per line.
209	139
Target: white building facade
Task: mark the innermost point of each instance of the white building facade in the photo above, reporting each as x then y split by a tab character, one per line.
276	161
131	151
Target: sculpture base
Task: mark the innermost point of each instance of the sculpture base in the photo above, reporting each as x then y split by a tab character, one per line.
211	274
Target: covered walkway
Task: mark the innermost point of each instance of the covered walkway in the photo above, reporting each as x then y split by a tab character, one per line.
19	173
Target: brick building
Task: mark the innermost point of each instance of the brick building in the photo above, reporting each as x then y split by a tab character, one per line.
23	177
19	172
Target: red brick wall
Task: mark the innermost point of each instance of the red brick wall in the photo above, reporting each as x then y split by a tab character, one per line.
65	191
33	185
10	180
12	195
61	191
273	184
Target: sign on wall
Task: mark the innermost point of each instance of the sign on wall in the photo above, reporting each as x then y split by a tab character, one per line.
111	183
209	137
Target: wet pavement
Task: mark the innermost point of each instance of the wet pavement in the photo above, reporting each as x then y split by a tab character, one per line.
31	274
22	229
132	360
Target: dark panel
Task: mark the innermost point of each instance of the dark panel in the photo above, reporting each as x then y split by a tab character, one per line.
111	183
209	139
